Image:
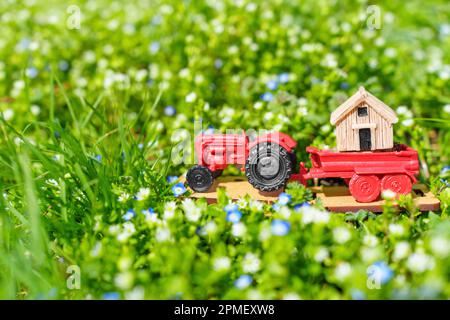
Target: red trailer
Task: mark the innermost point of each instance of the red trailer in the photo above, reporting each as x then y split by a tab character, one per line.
269	163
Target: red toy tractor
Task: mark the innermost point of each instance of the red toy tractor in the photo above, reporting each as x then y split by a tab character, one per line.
269	163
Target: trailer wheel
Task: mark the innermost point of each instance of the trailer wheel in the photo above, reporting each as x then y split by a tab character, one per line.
365	188
199	178
268	167
399	183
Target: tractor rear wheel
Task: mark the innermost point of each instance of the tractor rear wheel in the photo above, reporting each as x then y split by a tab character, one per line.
399	183
365	188
199	178
268	167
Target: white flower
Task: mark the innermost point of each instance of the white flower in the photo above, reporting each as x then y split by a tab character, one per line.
242	203
265	233
137	293
191	97
142	194
238	229
314	215
370	240
251	263
169	210
285	212
192	212
369	255
388	194
124	280
341	235
162	234
404	111
127	232
401	250
124	263
440	246
420	262
258	105
322	254
390	52
447	108
407	122
343	270
96	250
210	228
8	114
291	296
221	264
52	182
256	205
35	109
124	197
396	229
114	229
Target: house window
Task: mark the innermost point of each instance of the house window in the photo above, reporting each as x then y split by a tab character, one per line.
362	112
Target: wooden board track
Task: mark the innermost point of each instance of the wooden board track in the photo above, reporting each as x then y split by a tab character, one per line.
334	198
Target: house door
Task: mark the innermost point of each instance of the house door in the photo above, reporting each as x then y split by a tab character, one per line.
365	139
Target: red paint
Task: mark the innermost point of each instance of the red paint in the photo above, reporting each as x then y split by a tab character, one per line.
367	173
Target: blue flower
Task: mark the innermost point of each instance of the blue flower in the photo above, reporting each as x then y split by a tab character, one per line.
218	63
154	47
234	216
243	281
283	77
231	207
141	146
170	111
149	213
382	272
111	296
284	198
445	170
276	206
129	215
31	72
63	65
357	294
172	179
280	227
178	189
300	206
272	84
267	96
344	85
98	158
445	182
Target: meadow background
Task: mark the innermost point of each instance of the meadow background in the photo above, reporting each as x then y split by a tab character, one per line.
91	109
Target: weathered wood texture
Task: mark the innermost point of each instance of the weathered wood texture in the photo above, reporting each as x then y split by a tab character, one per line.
347	130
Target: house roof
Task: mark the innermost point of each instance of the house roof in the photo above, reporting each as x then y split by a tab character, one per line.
359	97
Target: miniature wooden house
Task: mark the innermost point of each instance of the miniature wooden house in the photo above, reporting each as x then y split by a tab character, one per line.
364	123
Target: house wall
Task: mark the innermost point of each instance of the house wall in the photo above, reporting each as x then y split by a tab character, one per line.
347	130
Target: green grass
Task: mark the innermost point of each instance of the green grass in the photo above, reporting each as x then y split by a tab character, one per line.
78	143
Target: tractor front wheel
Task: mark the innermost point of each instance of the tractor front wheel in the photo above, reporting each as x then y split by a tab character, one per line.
268	167
199	178
365	188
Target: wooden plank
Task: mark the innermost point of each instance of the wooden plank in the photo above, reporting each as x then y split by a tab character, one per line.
335	199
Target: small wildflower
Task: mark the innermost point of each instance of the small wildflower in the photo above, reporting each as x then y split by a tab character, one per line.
272	84
314	215
210	228
162	234
280	227
150	215
401	250
322	254
238	229
341	235
343	271
256	205
129	215
142	194
243	282
370	240
251	263
128	230
111	296
222	264
172	179
169	210
388	194
124	197
178	189
267	97
192	212
283	77
170	111
440	246
231	207
300	206
191	97
234	216
420	262
284	198
382	272
396	229
124	280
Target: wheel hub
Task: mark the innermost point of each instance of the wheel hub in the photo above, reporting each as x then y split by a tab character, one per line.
268	167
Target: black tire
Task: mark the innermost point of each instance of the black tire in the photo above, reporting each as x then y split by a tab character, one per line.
217	173
268	167
199	178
